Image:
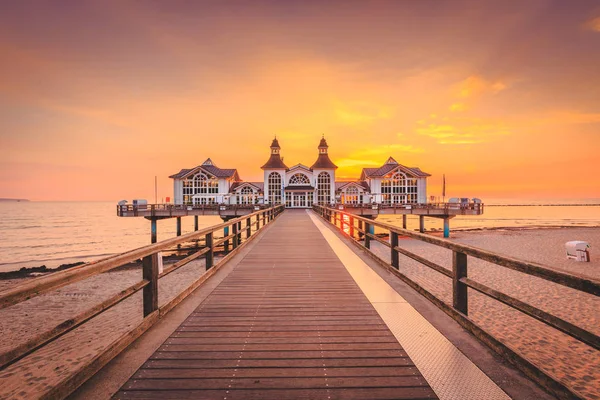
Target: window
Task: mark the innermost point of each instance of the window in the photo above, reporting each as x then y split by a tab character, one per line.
205	185
323	188
246	195
299	179
398	189
274	182
352	195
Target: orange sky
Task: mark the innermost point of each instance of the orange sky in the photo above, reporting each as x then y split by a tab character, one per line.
96	98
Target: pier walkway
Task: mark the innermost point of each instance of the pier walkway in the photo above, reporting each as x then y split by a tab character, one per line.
298	318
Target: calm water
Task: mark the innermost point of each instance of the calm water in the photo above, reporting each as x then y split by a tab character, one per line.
54	233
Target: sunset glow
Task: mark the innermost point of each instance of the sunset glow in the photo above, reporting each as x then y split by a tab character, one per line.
98	98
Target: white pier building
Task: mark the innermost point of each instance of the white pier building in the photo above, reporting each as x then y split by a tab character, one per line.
301	186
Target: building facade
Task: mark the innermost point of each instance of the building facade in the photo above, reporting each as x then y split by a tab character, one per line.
301	186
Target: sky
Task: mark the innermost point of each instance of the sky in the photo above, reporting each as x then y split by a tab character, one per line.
99	97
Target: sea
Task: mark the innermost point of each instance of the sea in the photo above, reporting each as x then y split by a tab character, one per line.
54	233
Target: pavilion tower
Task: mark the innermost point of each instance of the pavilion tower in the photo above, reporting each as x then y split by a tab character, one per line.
274	175
324	171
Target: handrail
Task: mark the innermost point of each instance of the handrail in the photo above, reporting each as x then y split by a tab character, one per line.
460	282
149	283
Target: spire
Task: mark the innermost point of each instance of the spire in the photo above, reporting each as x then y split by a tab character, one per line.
275	145
275	161
323	146
323	161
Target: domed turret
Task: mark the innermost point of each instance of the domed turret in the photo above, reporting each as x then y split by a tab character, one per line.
323	161
275	161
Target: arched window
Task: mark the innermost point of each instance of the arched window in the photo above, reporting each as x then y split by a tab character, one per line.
396	188
205	185
274	182
352	195
246	195
323	188
299	179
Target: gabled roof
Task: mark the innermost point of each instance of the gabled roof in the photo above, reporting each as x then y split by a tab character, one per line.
209	167
259	186
342	185
390	166
299	166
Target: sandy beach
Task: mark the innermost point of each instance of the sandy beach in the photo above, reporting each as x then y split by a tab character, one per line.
570	361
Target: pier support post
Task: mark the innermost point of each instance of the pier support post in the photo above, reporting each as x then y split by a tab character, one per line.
421	223
153	229
178	226
403	221
459	289
195	222
150	291
446	227
393	245
226	243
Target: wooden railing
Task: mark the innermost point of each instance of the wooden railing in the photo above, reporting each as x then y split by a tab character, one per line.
240	231
351	224
447	207
151	209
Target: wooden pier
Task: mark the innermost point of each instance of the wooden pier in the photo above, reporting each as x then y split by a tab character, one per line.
285	324
291	311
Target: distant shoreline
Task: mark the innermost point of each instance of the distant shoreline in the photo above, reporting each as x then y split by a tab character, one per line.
7	200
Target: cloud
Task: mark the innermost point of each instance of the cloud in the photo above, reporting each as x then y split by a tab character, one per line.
457	107
358	113
593	24
475	86
568	117
462	132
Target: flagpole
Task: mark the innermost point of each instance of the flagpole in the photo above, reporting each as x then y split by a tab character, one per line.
444	189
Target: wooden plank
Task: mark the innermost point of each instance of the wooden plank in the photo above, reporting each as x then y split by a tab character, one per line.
274	383
289	393
205	373
285	323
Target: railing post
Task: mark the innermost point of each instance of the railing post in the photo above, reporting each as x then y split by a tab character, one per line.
234	228
459	289
393	245
226	243
150	292
210	256
239	229
360	228
257	222
351	226
248	228
367	237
